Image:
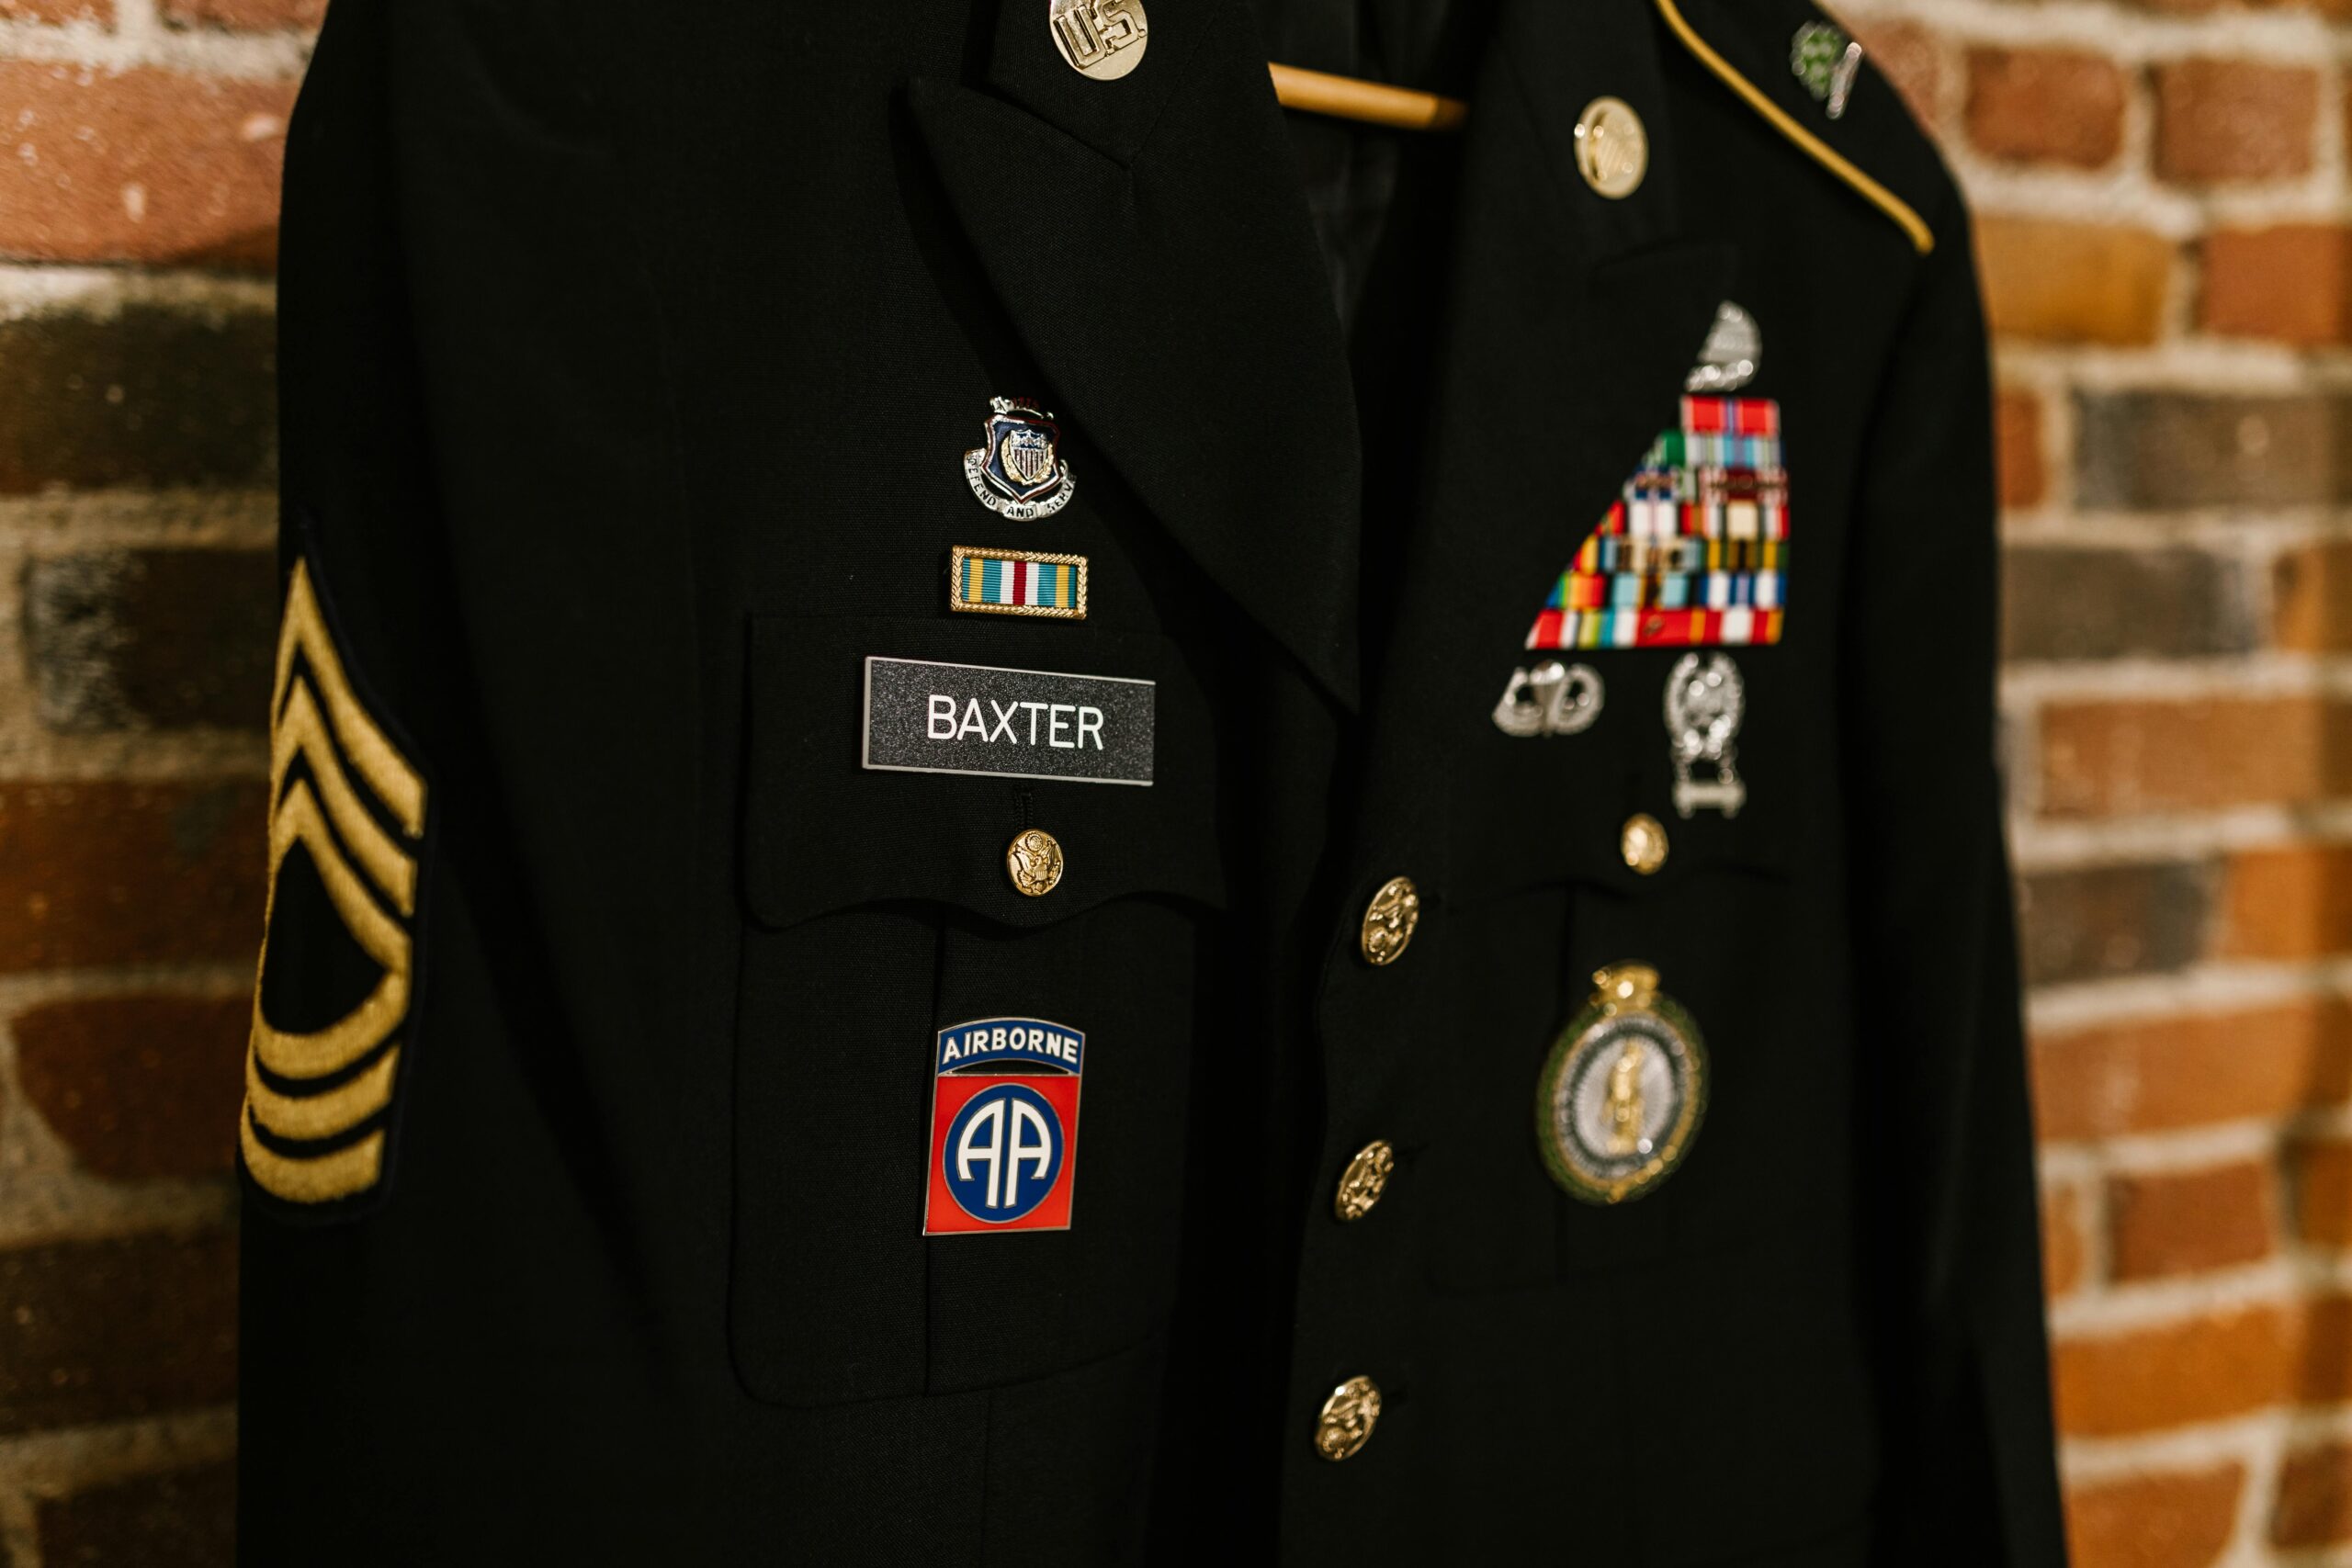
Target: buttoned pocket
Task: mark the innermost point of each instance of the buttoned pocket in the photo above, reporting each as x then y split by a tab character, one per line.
880	909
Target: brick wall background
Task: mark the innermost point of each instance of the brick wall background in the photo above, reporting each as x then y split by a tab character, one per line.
2166	189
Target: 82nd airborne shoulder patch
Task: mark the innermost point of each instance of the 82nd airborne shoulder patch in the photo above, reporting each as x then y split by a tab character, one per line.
1004	1127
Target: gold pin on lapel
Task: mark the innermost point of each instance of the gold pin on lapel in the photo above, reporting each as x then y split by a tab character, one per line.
1103	40
1612	148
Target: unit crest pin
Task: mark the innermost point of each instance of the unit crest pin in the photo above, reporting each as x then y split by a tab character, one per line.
1018	472
1622	1091
1705	705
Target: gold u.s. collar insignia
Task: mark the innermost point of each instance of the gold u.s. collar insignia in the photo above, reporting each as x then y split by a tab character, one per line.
1623	1092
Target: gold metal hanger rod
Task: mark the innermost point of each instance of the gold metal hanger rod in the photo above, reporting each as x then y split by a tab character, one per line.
1372	103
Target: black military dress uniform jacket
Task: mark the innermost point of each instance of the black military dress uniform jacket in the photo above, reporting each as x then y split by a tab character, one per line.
630	357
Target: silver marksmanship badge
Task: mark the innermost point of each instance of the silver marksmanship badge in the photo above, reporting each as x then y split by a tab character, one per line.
1622	1091
1704	703
1019	472
1733	351
1551	699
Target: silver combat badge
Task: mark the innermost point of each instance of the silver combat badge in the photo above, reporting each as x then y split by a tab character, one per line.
1551	699
1705	705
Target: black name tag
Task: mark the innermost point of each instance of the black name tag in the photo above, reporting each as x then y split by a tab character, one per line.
1022	724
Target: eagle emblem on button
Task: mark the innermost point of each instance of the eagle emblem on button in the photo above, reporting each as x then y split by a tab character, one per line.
1621	1095
1017	471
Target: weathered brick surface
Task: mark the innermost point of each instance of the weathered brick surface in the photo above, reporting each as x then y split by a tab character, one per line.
2314	1503
2024	466
2293	902
2291	282
151	396
2108	921
2064	1256
2310	589
106	1330
2188	1069
2202	1367
2234	120
2062	602
56	10
245	14
142	164
2057	105
2322	1172
184	1519
2181	1221
2119	757
103	872
2178	1520
2074	282
2163	450
137	1086
168	637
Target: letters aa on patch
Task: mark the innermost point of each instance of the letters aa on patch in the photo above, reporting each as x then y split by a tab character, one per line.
1695	551
1004	1127
347	826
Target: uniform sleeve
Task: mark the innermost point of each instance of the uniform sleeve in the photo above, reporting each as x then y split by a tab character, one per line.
1952	1247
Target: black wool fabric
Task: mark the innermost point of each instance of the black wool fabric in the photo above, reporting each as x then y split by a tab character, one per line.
626	396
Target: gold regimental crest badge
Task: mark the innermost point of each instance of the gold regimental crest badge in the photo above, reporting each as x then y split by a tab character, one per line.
1622	1091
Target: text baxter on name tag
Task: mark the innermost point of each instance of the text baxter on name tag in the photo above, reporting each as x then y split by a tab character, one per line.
923	718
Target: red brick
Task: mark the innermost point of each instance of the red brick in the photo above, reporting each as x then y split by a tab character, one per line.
183	1518
2200	1369
2074	282
2234	120
1911	58
2311	595
2095	923
2293	902
2314	1502
246	15
105	1330
2185	1221
2049	106
2165	448
57	11
2105	759
2323	1168
139	1086
2183	1519
2024	470
2189	1069
111	873
146	164
2290	284
2082	602
160	639
2063	1256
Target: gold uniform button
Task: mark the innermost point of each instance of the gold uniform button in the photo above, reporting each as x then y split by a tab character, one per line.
1642	843
1389	919
1033	861
1365	1179
1348	1419
1612	148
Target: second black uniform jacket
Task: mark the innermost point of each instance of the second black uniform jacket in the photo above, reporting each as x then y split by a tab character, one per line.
630	358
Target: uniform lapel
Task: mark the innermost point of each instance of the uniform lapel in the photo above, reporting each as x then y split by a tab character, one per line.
1149	240
1572	321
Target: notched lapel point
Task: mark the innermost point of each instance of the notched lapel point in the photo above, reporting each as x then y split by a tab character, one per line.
1176	302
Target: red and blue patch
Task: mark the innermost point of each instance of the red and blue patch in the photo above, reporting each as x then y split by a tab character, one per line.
1003	1126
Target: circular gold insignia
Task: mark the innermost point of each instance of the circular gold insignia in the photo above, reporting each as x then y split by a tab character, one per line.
1623	1092
1100	39
1034	861
1365	1180
1642	842
1347	1420
1389	921
1612	148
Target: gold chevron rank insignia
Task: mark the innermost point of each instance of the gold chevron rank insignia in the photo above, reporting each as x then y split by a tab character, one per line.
337	985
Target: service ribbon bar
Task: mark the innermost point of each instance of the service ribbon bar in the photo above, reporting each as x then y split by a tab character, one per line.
1016	582
1695	551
